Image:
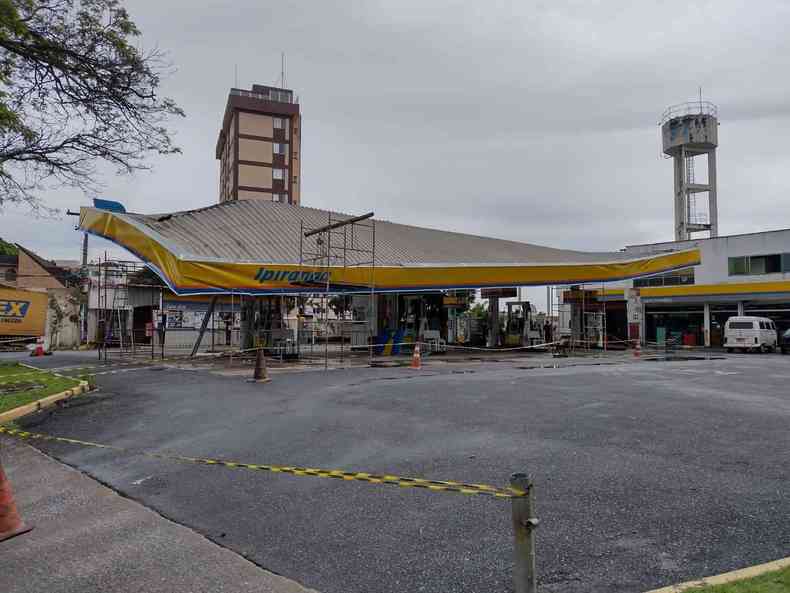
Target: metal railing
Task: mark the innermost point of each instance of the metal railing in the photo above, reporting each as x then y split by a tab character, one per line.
689	108
272	95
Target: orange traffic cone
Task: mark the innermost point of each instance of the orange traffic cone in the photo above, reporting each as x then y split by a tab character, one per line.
416	359
39	351
10	521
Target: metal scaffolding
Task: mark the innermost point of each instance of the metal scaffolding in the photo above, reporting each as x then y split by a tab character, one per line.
122	299
114	330
341	242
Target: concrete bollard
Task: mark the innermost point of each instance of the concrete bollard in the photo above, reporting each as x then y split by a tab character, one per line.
524	524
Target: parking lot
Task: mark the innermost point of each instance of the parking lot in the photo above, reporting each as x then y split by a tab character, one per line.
647	473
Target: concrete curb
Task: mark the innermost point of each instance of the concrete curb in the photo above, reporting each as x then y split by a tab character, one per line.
44	402
727	577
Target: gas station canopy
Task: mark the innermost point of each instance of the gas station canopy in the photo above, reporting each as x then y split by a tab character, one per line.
258	247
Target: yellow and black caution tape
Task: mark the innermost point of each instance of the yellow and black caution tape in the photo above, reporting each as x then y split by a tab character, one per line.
403	482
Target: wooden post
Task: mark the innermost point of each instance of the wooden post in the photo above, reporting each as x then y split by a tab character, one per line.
524	524
258	374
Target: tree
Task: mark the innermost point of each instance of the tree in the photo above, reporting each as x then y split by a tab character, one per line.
74	91
7	248
479	311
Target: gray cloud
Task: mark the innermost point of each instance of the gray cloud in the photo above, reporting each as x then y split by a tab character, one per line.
534	121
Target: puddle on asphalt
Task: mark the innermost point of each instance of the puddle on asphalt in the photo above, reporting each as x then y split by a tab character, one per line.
670	358
675	358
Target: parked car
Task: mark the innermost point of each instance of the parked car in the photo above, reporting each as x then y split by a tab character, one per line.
784	344
750	334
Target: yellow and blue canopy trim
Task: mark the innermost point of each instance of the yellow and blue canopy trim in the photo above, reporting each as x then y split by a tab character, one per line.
186	275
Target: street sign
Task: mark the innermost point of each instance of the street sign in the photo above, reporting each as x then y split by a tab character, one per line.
455	301
502	293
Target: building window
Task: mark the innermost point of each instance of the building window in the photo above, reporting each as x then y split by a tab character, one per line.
10	275
786	262
279	123
738	266
757	265
676	278
278	148
773	264
278	174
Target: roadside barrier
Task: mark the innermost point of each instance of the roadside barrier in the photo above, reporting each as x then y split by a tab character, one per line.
520	492
402	481
427	345
26	339
366	347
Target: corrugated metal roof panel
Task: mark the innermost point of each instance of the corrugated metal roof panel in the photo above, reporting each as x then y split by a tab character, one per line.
261	231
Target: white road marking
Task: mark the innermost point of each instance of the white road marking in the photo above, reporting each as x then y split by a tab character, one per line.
116	371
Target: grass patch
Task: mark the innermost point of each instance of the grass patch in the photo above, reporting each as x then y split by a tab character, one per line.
21	385
770	582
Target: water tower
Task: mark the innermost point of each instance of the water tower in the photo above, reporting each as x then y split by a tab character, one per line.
689	132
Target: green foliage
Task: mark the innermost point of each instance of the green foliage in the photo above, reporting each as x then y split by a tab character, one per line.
479	310
7	248
33	385
75	89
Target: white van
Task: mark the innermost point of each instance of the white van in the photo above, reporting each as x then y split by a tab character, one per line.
750	333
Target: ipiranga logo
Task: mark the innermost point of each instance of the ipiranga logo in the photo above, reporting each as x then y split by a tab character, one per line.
295	277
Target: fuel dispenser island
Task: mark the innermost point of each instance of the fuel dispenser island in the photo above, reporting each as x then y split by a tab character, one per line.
523	326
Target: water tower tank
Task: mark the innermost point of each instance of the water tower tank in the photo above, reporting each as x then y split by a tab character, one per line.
690	130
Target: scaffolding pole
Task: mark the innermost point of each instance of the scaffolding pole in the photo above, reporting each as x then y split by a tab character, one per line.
341	243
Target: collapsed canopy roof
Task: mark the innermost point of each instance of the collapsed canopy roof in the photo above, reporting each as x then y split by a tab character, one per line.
258	247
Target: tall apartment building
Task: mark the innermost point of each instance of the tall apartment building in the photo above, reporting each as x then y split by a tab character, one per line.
258	146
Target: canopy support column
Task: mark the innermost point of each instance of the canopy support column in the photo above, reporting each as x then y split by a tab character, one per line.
204	325
493	322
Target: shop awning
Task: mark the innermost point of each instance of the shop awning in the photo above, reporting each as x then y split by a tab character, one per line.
254	247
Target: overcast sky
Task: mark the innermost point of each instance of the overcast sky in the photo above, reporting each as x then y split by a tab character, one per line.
531	121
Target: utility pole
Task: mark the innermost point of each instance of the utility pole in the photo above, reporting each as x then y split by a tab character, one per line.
85	284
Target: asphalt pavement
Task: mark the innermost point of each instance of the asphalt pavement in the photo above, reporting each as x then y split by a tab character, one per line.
646	473
88	539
